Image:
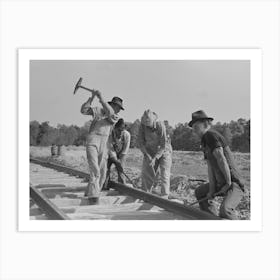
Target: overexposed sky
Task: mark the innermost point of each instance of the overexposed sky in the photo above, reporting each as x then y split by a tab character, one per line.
173	89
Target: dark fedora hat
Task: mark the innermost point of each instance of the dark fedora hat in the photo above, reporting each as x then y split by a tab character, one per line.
118	101
199	116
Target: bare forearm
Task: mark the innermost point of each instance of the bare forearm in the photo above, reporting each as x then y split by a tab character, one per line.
223	165
212	181
108	109
160	152
162	142
225	170
122	158
144	150
126	145
86	107
212	188
141	141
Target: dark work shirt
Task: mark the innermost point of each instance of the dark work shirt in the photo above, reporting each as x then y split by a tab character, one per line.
212	140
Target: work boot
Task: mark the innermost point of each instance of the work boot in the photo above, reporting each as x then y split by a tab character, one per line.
90	192
93	200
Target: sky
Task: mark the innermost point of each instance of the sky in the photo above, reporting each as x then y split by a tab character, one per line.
172	89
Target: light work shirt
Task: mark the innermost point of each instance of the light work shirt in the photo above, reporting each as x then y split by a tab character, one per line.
154	139
101	124
119	145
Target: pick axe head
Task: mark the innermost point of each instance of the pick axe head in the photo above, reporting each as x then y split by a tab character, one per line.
78	84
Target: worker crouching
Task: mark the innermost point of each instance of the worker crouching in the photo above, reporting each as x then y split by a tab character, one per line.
119	146
224	176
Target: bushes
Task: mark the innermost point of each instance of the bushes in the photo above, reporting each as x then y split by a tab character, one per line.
45	135
237	133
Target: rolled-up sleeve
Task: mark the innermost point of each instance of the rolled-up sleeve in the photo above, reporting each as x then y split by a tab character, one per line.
113	118
95	112
111	152
161	131
86	108
141	139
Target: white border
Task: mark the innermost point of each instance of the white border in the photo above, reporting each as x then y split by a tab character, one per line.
254	55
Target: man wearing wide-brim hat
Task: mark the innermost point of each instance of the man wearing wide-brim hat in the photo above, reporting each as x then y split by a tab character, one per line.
103	120
224	177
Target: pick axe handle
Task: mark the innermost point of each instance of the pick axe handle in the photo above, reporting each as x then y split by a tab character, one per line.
203	199
88	89
130	181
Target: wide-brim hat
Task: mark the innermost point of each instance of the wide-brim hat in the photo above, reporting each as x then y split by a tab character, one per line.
118	101
199	116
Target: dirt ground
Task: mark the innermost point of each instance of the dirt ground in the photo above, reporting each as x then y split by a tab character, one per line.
189	170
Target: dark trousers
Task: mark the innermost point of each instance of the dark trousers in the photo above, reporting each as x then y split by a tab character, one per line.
231	200
121	177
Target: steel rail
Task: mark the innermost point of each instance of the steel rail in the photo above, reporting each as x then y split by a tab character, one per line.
50	209
188	212
171	206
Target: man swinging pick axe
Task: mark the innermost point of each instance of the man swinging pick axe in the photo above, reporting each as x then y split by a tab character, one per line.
157	151
103	120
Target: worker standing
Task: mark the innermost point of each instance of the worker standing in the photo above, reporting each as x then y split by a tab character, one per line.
223	174
103	120
119	147
157	151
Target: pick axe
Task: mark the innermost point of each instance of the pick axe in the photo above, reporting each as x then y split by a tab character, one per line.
79	85
154	169
202	199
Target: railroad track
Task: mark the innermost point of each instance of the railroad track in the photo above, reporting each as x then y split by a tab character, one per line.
57	193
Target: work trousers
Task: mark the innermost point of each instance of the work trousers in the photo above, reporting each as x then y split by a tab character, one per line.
97	160
149	173
121	177
231	200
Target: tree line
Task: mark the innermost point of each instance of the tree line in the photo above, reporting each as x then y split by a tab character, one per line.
237	134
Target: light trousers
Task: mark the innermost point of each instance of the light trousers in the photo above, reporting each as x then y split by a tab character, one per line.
97	160
149	173
229	204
